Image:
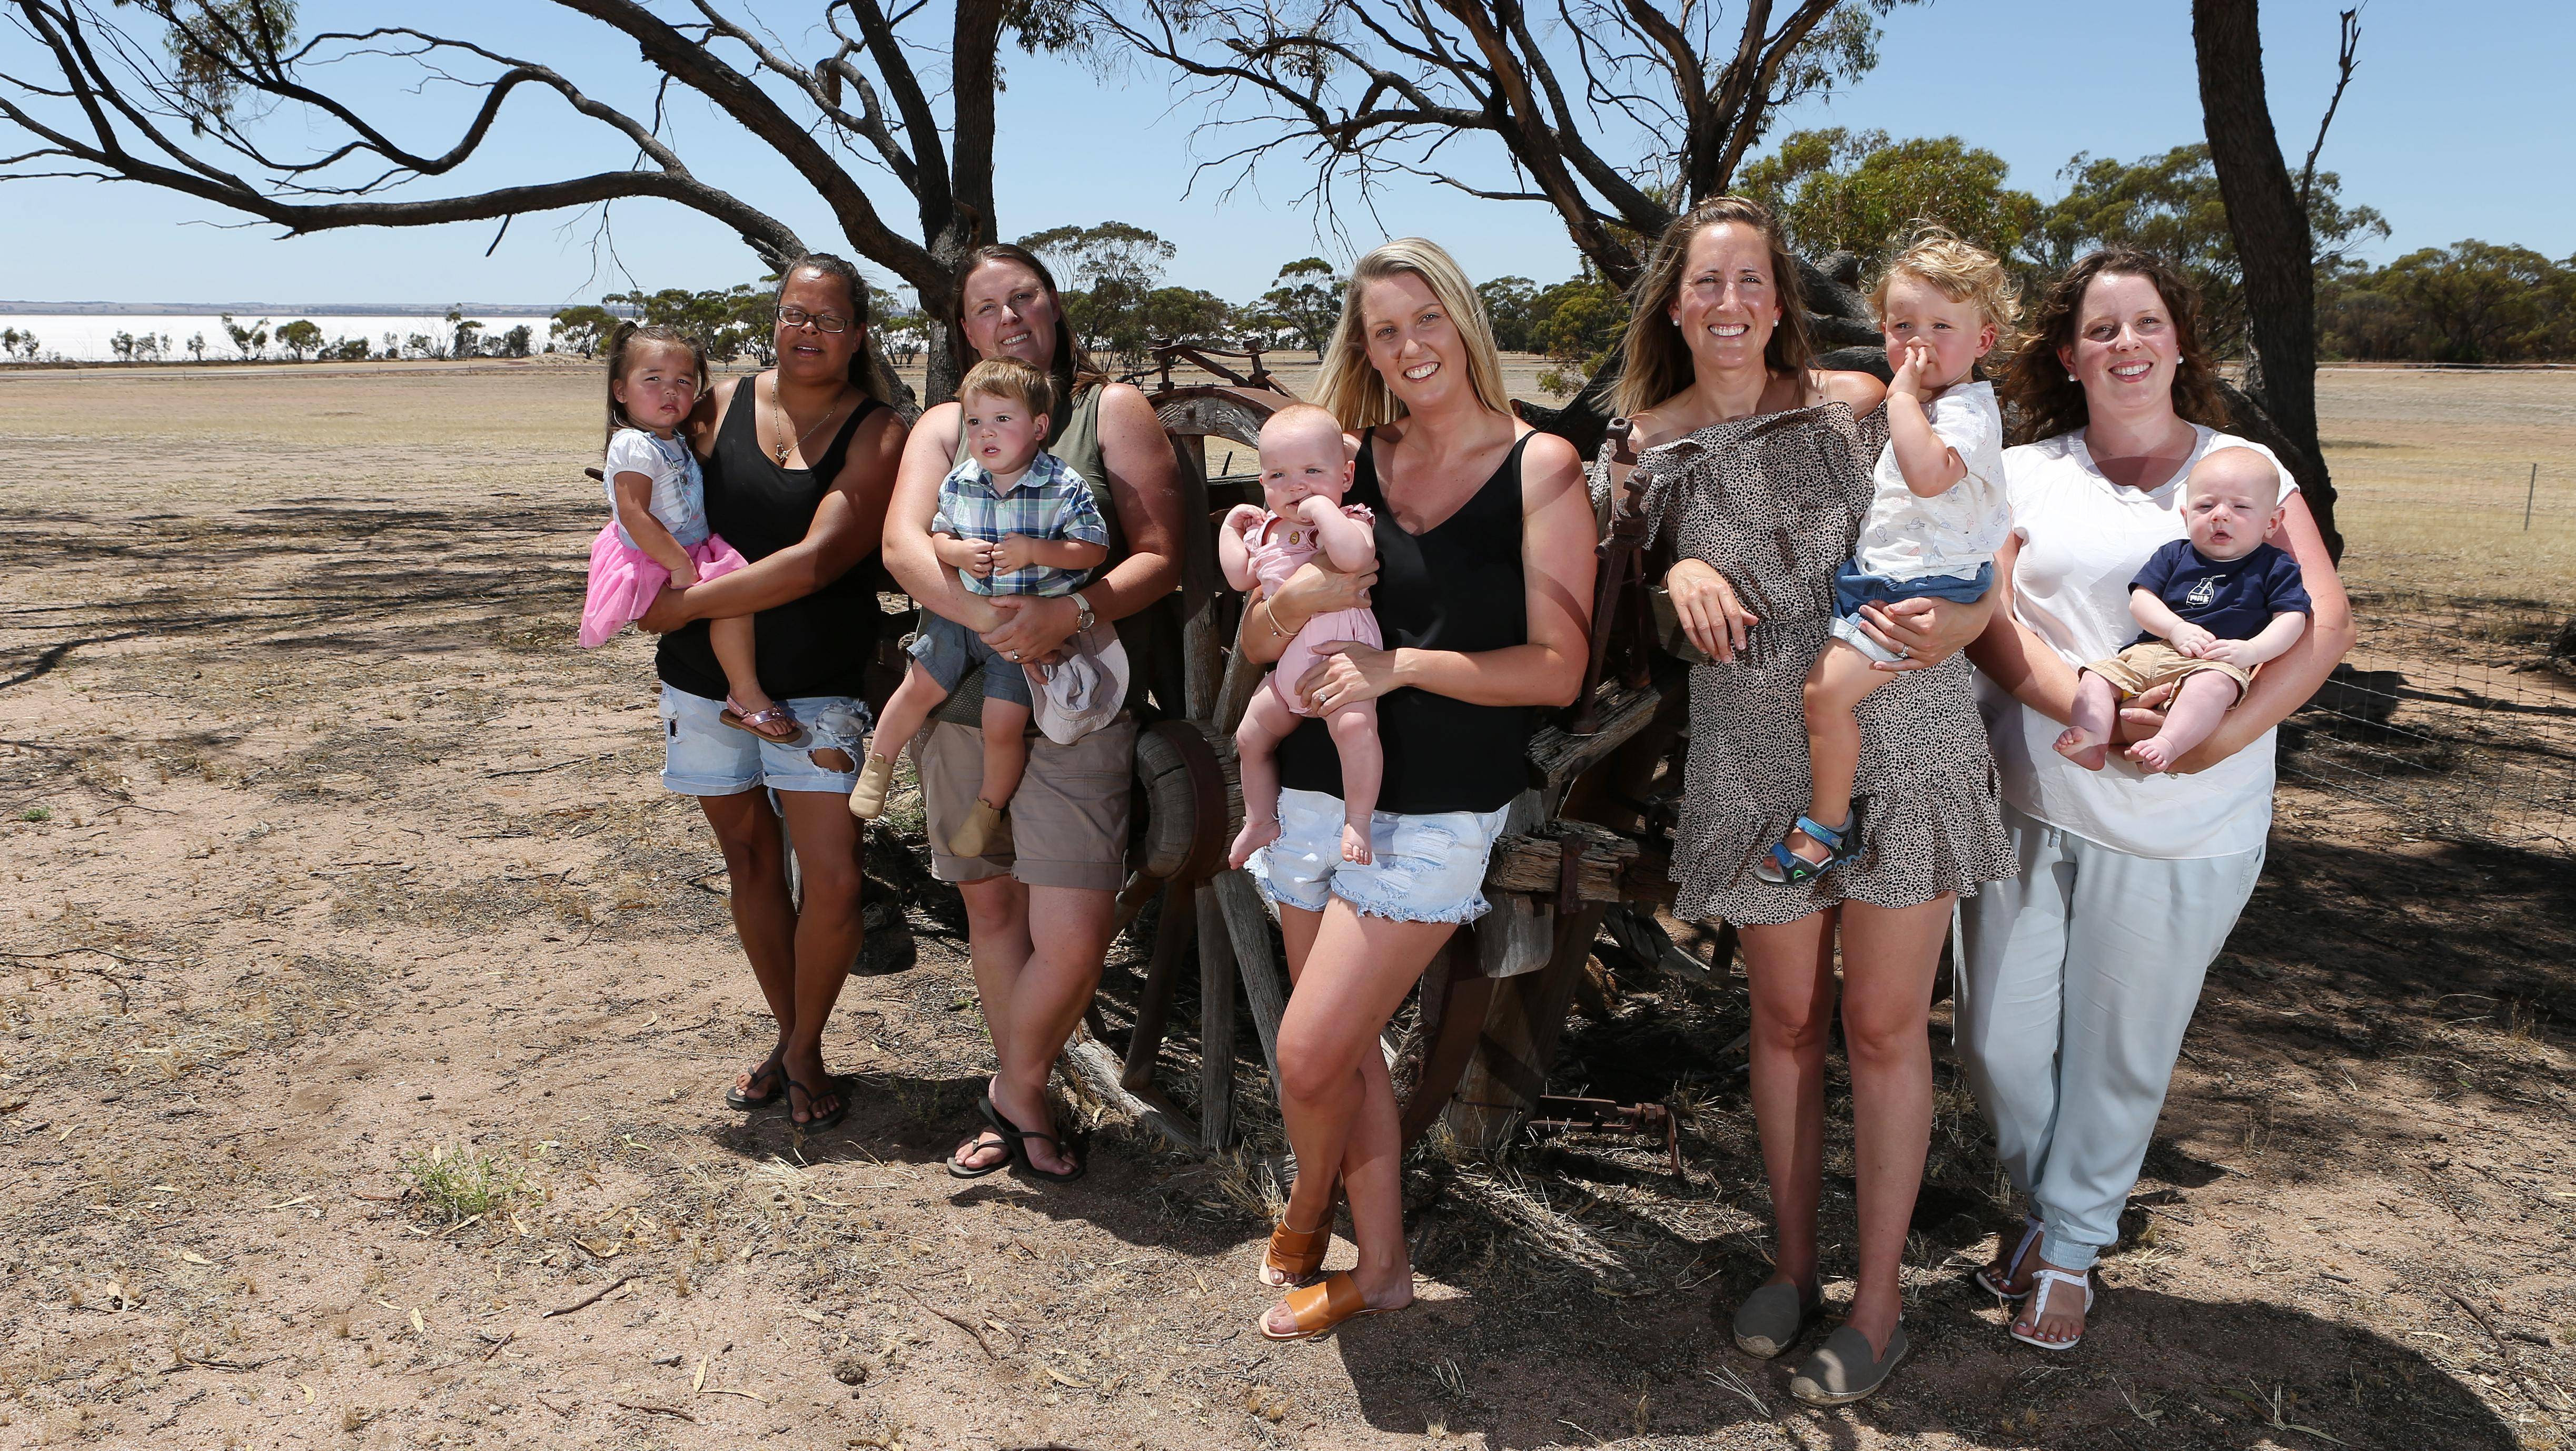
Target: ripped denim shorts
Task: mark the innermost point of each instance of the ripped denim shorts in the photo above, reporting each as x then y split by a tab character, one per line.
702	756
1428	868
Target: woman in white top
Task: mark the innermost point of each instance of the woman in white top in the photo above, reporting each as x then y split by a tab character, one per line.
2080	977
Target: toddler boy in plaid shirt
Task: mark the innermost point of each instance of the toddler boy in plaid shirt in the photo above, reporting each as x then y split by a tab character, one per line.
1012	520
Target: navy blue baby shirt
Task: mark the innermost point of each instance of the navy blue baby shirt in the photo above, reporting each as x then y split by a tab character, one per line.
2232	599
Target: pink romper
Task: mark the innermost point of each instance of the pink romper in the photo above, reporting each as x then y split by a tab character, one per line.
1277	548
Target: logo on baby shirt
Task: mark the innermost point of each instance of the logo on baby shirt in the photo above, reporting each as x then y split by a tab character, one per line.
2205	592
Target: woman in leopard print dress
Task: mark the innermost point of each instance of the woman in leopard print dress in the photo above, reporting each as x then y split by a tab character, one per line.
1758	475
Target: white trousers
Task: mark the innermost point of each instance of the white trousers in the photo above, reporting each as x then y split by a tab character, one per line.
2077	982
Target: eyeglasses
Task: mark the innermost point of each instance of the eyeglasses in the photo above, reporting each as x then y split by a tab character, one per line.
823	321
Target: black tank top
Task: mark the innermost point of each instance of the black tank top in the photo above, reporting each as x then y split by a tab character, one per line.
1457	586
817	645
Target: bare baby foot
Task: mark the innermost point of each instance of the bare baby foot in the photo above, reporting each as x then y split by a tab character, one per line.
1257	833
2080	747
1355	843
2153	754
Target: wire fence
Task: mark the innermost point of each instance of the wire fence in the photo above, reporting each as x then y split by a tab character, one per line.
2454	718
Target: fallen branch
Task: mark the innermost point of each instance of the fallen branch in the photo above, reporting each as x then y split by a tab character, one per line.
589	1300
497	1344
960	1321
656	1410
541	770
123	1004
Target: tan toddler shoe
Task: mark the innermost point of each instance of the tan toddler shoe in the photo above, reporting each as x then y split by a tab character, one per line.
876	775
979	833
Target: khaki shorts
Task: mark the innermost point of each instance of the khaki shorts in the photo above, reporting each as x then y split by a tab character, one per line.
2142	668
1067	824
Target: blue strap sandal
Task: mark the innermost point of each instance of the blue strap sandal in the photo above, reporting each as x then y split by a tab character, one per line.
1786	868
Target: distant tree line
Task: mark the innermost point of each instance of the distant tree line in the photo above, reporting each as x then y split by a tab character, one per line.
2471	302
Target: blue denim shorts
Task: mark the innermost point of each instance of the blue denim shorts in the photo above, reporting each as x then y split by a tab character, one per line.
948	650
1428	868
702	756
1854	588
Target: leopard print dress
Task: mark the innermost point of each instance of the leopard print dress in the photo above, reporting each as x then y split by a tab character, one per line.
1775	504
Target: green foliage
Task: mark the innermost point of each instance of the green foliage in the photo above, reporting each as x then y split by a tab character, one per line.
1185	315
728	323
2471	302
1578	319
2170	205
16	344
1844	191
584	329
1108	273
146	348
211	41
299	338
1302	305
37	813
1507	307
251	342
462	1185
1574	321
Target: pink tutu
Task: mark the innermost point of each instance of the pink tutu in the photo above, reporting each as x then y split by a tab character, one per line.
624	581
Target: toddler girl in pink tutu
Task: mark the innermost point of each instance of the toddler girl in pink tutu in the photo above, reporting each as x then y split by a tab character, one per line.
657	532
1305	470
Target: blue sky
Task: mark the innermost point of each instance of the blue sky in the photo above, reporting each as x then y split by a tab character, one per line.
2453	130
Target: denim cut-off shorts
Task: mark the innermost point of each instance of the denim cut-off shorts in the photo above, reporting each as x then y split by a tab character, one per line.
702	756
1853	588
948	650
1428	868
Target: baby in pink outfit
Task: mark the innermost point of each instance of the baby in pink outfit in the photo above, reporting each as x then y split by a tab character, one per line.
1305	470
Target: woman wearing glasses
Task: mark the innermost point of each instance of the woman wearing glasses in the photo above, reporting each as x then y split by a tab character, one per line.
799	462
1041	902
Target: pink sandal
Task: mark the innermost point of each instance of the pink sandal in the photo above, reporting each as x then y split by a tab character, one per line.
758	721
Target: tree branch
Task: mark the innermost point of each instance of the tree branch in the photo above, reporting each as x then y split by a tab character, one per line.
2347	52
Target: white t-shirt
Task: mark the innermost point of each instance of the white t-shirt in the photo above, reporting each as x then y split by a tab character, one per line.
1957	531
679	489
2083	538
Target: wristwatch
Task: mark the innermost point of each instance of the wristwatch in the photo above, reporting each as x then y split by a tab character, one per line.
1083	617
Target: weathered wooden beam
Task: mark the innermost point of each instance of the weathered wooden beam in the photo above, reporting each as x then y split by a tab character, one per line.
1518	1045
1216	1025
1535	862
1172	934
1557	756
1096	1068
1265	985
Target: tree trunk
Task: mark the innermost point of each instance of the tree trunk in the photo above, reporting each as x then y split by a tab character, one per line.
2272	241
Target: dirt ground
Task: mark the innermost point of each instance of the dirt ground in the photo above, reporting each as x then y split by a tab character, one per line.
366	1008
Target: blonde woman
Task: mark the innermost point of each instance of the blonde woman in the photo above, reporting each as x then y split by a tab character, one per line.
1482	593
1759	475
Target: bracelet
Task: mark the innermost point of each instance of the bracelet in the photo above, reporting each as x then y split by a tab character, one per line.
1271	620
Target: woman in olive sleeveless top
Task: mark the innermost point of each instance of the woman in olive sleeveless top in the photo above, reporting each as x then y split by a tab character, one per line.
1482	592
799	462
1041	906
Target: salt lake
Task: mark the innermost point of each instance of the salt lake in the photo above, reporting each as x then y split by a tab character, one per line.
86	337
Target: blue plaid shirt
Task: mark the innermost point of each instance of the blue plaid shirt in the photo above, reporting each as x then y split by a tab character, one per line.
1050	502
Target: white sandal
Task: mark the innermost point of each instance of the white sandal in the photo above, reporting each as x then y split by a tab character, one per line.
1986	1282
2041	1283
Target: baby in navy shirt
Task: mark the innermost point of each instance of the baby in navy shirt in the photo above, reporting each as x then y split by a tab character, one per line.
2213	606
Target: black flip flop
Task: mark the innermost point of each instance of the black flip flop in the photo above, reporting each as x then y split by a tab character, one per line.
735	1098
958	1171
1020	1154
816	1125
